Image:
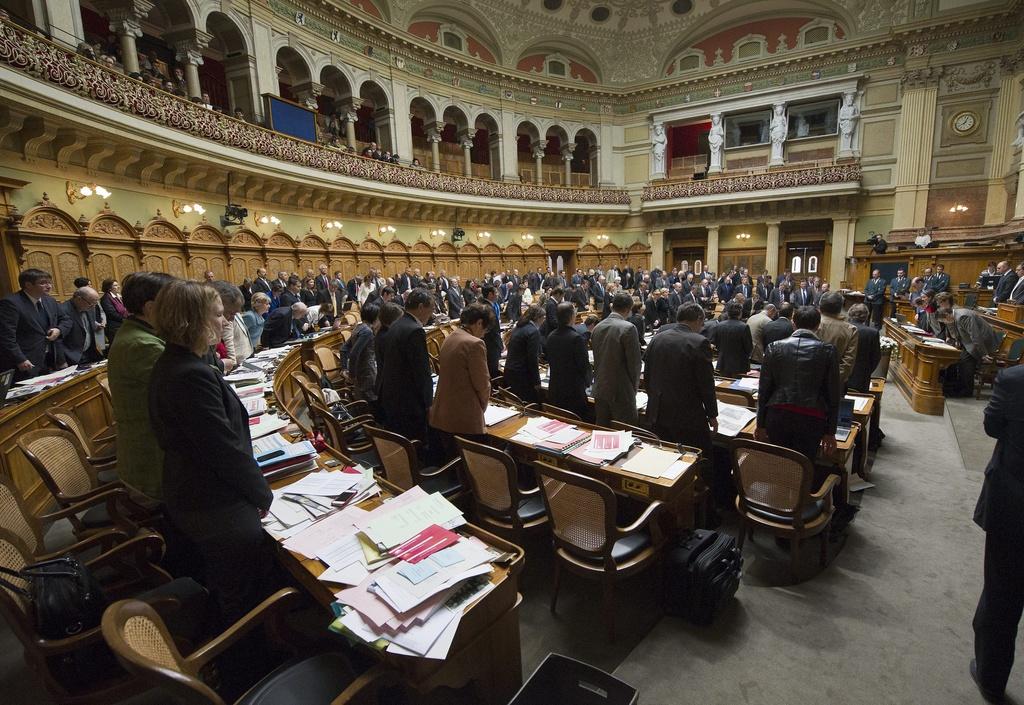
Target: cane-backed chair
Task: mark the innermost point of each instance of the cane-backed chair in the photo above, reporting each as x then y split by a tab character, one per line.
129	569
347	436
144	647
500	503
773	486
329	363
102	455
587	539
402	466
62	466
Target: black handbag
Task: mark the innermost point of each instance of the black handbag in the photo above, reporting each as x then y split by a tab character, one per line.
65	596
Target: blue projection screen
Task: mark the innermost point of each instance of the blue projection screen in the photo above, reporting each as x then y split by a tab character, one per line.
289	118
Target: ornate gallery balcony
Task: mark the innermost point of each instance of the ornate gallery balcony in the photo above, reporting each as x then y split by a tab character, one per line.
49	62
797	181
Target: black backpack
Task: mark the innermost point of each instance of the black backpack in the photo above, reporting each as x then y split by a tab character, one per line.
702	571
66	597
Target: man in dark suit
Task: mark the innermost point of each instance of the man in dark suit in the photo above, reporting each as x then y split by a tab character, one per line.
802	295
492	338
568	364
260	284
31	323
323	279
898	288
999	512
405	386
283	324
514	304
581	296
456	302
874	297
404	281
599	292
732	338
869	350
724	290
681	382
940	280
293	293
551	312
743	288
79	345
779	329
1007	281
675	300
534	280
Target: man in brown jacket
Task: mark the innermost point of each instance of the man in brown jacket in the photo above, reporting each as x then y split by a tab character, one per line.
839	333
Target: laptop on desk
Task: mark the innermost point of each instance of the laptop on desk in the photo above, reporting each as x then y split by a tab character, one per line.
845	424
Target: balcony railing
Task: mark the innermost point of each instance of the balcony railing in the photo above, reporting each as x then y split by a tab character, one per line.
766	181
57	65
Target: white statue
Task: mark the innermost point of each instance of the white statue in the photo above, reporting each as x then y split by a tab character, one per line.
849	116
716	141
658	144
1019	142
777	132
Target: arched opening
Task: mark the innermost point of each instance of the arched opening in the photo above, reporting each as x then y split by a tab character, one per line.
584	163
374	117
293	77
529	152
558	155
423	121
228	72
487	147
454	138
334	106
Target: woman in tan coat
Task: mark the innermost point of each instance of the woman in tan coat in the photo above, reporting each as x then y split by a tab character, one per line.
463	385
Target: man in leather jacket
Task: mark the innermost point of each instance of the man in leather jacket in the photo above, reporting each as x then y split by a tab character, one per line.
799	390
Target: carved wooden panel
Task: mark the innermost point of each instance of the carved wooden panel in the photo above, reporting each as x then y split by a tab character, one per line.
103	268
198	267
69	266
111	226
154	263
238	270
273	266
175	266
288	264
126	264
39	260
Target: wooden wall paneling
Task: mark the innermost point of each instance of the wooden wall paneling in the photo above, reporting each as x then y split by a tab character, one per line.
370	255
963	264
343	257
587	257
125	264
469	262
396	258
421	256
312	253
281	249
491	258
638	256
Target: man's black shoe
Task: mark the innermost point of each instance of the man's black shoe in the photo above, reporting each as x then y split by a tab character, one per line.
988	695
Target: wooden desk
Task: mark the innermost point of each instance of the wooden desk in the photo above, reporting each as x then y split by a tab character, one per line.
678	493
486	649
917	369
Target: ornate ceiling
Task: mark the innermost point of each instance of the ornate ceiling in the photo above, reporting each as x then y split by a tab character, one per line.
626	41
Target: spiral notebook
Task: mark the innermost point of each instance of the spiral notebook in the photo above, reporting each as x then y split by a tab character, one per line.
561	448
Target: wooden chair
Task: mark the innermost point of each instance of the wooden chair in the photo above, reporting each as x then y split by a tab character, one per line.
314	372
587	539
104	383
402	466
565	414
17	520
988	371
131	563
102	456
773	486
505	395
348	437
493	481
330	364
144	647
66	473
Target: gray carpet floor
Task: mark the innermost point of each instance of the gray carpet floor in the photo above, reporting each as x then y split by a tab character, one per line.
887	622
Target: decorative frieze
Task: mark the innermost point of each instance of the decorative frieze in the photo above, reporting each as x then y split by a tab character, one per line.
768	181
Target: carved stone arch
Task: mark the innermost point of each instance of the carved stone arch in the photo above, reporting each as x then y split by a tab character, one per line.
206	233
313	242
319	63
246	238
435	102
338	63
378	81
162	230
111	225
594	130
242	24
49	218
342	244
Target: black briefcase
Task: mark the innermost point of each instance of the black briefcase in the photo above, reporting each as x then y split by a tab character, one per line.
702	572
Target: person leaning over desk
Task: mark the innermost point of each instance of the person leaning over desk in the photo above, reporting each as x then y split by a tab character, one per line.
213	489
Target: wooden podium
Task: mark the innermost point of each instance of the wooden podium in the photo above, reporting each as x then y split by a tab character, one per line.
1011	313
917	369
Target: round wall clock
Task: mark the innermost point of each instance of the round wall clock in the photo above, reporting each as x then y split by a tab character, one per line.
965	122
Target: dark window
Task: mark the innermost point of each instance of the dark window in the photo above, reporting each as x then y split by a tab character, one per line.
600	14
681	7
556	68
747	128
552	4
813	119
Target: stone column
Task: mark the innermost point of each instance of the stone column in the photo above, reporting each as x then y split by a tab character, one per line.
494	145
1018	205
914	152
538	160
656	241
126	22
771	255
188	46
466	142
63	19
842	247
350	118
595	165
1004	131
307	93
711	256
567	160
433	139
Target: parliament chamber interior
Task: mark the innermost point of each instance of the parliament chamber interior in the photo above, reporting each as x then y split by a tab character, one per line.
511	352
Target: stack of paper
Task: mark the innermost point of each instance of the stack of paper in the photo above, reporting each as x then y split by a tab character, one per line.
255	406
747	384
244	377
605	446
496	414
732	419
858	402
641	400
265	425
651	462
277	457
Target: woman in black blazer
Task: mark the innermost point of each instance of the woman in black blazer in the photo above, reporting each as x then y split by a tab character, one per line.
307	294
522	375
213	489
113	308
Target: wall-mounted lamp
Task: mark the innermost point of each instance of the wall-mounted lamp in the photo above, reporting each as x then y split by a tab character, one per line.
601	238
483	235
266	218
178	207
742	236
330	224
959	208
438	233
77	192
526	237
387	230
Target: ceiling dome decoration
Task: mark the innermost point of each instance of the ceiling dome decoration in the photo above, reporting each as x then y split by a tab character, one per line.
458	28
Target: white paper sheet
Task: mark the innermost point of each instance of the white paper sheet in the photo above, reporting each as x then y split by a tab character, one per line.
496	414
